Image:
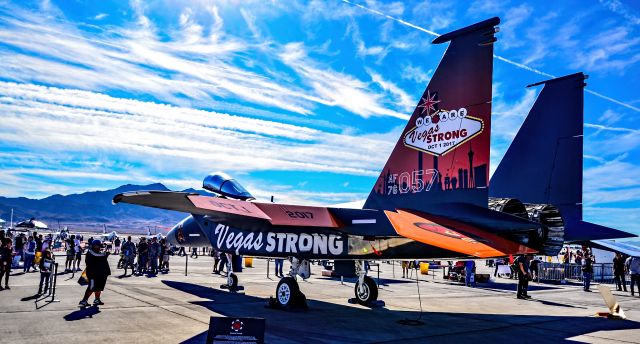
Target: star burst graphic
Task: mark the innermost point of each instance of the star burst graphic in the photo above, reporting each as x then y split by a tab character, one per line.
428	104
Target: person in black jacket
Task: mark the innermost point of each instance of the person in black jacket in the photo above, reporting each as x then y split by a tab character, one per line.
524	275
587	271
618	272
97	272
6	259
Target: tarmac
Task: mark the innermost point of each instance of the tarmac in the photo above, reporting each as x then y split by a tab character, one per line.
174	308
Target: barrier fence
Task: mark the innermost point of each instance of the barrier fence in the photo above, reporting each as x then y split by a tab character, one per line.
557	272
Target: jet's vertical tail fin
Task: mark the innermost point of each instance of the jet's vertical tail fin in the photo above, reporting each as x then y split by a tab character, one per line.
443	153
544	162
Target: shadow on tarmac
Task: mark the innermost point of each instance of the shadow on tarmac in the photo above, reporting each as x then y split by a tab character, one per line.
330	322
82	313
32	297
512	286
383	281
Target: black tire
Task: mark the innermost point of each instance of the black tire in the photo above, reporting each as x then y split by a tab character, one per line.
287	292
232	281
369	293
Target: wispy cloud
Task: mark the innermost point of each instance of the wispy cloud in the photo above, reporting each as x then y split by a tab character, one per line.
609	117
508	116
618	7
513	19
139	60
403	100
613	50
336	89
416	74
500	58
626	219
167	139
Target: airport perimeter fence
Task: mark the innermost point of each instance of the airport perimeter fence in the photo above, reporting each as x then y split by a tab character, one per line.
558	272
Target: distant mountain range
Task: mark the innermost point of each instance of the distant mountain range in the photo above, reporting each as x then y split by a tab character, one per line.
93	210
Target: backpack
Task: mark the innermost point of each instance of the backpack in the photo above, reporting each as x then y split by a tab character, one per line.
31	247
126	249
71	250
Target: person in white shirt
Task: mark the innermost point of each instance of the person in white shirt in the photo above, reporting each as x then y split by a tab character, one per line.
633	267
78	248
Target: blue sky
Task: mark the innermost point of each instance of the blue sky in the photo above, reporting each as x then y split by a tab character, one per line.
302	100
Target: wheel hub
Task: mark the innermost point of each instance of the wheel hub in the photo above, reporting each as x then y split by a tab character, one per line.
363	292
284	294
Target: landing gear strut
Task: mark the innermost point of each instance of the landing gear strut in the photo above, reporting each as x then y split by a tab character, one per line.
288	295
232	279
366	290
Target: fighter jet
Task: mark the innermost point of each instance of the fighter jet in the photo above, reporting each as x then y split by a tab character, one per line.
60	235
32	224
109	236
430	200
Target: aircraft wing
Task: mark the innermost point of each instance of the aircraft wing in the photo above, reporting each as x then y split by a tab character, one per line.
581	231
452	235
224	209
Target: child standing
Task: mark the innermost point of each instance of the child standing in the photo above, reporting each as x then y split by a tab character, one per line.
46	266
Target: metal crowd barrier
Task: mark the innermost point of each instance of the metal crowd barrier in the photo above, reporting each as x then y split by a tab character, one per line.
557	272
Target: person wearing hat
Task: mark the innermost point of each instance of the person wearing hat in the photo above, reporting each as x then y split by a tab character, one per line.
97	272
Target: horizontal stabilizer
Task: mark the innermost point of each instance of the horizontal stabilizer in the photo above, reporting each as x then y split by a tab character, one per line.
486	219
575	231
609	245
462	238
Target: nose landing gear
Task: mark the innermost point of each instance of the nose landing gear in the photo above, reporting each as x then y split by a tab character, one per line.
232	279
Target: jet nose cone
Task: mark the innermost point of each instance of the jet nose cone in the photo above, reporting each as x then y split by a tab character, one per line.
172	236
187	233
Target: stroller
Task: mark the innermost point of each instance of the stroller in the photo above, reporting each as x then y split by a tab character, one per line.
456	272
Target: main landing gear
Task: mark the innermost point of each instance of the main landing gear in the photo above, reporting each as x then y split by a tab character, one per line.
288	294
366	289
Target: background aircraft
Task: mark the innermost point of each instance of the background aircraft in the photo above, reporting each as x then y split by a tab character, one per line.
431	199
32	224
109	236
61	235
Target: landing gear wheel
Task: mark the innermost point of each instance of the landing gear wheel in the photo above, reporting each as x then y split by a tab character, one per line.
287	292
232	281
368	292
